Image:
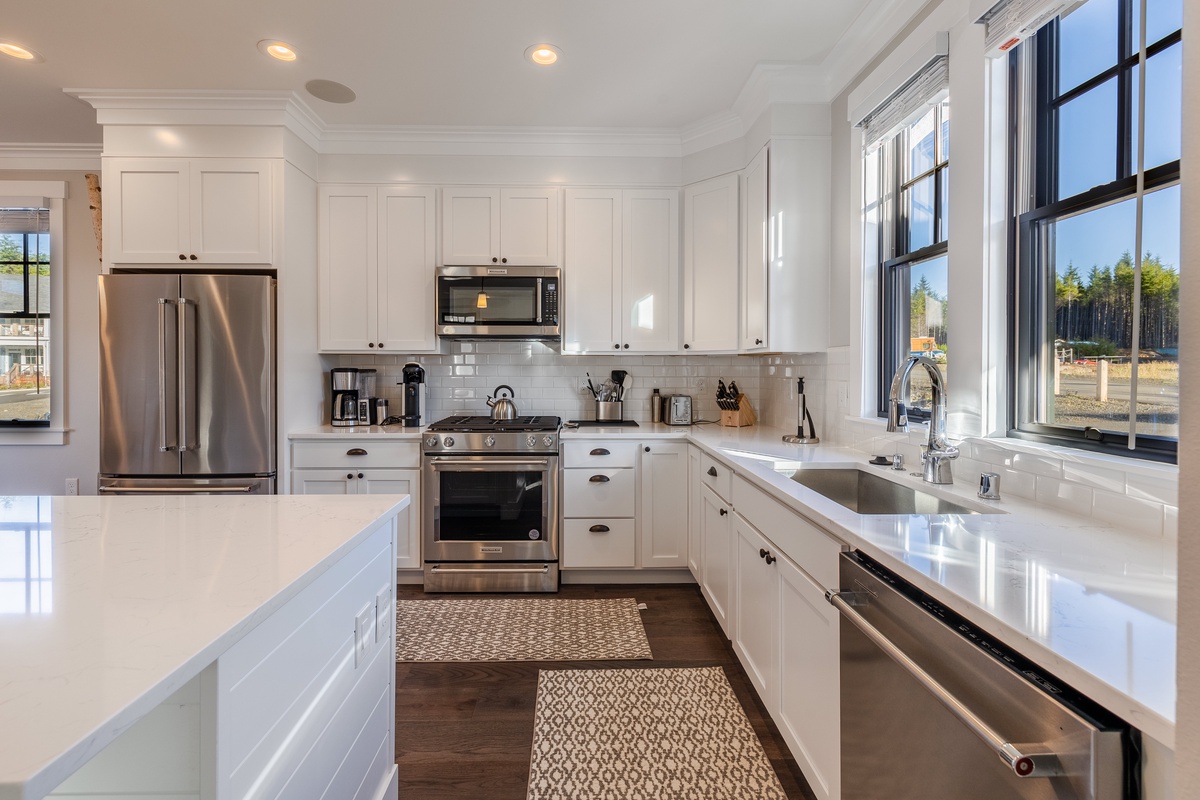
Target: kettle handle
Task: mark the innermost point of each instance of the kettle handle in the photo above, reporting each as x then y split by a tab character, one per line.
511	393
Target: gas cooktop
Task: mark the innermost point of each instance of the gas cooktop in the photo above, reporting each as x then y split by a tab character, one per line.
469	424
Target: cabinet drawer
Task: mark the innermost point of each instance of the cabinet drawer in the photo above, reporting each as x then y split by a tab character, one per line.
600	492
716	476
585	547
813	550
346	453
599	454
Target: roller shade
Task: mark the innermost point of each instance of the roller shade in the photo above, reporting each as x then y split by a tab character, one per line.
1008	22
907	103
24	220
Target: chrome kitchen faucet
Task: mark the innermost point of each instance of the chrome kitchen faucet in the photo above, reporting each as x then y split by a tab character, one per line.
935	456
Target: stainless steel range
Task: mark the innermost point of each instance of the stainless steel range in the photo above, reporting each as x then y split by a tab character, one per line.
490	520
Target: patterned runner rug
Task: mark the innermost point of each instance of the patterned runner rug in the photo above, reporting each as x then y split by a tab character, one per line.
524	629
629	734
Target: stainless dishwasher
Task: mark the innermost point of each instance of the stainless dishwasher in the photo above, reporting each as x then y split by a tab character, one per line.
935	709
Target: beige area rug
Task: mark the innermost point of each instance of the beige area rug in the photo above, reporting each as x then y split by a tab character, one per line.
629	734
524	629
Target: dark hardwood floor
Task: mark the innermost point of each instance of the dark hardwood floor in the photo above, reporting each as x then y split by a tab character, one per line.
464	730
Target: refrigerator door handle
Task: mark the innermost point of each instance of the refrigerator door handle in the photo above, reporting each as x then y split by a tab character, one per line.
165	373
186	335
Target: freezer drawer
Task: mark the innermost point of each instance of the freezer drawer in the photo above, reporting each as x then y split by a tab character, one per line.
161	486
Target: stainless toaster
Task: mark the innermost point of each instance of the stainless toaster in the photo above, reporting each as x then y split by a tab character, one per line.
679	410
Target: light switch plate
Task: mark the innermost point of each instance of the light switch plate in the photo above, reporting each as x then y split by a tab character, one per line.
363	625
383	613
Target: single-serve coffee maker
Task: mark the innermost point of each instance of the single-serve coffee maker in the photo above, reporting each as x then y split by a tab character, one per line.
412	395
343	393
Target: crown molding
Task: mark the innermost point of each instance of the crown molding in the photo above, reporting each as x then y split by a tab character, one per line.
516	141
874	28
51	156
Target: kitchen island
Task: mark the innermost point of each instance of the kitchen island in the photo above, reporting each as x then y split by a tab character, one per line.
197	646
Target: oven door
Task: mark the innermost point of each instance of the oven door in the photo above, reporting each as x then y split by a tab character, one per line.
490	508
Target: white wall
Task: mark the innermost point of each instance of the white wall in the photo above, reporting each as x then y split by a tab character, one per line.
43	469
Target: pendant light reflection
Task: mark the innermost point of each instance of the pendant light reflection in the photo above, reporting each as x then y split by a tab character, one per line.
481	300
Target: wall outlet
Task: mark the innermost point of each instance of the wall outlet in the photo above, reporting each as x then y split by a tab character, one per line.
72	486
364	624
383	614
843	397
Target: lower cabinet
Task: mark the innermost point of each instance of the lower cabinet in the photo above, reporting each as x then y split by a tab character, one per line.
663	504
756	628
716	532
695	550
352	466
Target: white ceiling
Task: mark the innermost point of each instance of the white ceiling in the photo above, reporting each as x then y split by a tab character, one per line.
628	64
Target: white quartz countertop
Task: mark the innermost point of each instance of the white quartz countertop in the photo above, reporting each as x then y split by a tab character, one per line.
1092	603
110	604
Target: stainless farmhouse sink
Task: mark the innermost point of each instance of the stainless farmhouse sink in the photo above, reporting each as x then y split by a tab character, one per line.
865	493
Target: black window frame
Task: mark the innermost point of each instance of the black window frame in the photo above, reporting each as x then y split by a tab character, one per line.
1028	277
894	272
29	274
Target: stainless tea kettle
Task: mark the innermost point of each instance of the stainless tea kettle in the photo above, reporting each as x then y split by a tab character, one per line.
503	407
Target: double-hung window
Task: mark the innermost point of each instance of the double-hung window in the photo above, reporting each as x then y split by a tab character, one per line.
1096	96
25	317
906	168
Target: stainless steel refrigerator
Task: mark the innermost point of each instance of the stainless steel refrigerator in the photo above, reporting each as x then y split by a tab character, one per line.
187	384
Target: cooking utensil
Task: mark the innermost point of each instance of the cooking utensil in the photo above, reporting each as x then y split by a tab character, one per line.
503	407
618	377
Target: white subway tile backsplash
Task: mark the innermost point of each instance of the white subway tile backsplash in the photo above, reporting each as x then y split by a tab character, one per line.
1110	480
1073	498
1155	488
1037	464
1019	484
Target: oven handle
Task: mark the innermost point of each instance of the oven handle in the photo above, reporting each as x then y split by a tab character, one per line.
1025	765
487	464
519	570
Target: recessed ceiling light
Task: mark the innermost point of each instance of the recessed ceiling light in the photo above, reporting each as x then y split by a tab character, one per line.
17	51
277	49
542	54
330	91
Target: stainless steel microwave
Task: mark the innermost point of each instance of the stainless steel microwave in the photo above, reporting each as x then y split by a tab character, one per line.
499	302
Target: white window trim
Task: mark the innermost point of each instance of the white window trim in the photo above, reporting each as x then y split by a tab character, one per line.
56	193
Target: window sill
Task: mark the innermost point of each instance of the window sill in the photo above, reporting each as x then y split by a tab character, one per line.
34	436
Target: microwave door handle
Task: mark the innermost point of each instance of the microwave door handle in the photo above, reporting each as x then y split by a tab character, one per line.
539	301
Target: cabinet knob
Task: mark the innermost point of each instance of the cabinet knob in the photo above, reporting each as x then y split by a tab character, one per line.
626	347
687	347
724	511
600	451
494	259
599	529
647	449
758	341
504	261
182	257
349	476
381	344
192	257
356	451
598	479
762	553
771	559
712	471
360	474
370	344
616	347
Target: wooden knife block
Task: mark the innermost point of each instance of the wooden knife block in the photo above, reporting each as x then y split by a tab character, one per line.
741	417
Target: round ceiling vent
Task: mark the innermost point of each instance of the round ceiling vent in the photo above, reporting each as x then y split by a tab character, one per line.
330	91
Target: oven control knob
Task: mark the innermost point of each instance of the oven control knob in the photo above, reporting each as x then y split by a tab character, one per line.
448	441
430	441
490	441
547	440
531	440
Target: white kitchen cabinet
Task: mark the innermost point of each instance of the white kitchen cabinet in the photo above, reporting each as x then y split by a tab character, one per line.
755	254
375	268
189	212
621	270
756	604
710	265
355	466
695	510
599	504
484	225
663	511
716	532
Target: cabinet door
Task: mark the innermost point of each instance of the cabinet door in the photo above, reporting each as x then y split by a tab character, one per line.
347	310
146	211
710	265
592	271
324	481
809	714
650	270
231	220
756	604
715	530
695	511
470	225
400	481
663	513
529	227
406	263
757	241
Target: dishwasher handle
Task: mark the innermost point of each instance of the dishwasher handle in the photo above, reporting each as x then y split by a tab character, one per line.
1042	764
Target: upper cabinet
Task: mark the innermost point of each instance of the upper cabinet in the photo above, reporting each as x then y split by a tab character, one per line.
621	272
375	268
786	235
710	265
191	212
486	225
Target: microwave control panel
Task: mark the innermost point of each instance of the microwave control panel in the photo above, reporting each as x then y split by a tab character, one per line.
550	307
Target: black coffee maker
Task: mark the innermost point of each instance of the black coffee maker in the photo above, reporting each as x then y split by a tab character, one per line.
412	395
